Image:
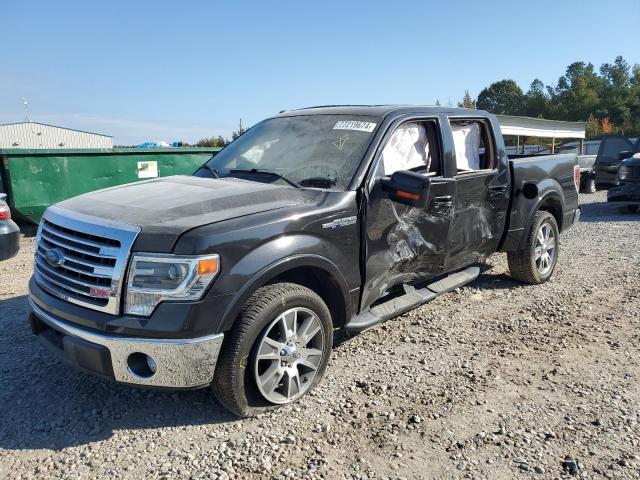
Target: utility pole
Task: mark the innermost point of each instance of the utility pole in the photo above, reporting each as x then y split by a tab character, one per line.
26	110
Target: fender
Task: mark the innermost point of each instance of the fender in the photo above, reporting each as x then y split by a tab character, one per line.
272	270
550	192
523	211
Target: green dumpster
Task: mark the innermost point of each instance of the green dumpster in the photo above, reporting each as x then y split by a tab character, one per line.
35	179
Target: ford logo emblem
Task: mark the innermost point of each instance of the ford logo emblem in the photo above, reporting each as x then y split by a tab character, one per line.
55	257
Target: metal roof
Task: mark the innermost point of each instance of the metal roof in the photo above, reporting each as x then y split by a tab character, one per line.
55	126
42	135
540	127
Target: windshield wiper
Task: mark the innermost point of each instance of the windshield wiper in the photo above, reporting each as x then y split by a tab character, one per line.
211	169
319	182
267	172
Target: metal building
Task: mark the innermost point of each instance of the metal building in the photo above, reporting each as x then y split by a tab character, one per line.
33	135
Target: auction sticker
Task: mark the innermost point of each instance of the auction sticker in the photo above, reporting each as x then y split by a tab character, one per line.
354	125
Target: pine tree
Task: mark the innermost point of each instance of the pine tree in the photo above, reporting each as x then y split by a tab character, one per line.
467	101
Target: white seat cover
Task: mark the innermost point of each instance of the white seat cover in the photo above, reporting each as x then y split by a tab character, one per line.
466	139
407	148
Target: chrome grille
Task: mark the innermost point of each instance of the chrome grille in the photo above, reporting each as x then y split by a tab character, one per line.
82	259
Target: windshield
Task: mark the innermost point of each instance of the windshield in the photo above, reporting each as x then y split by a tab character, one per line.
320	151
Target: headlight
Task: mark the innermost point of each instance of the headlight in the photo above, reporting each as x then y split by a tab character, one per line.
623	172
154	278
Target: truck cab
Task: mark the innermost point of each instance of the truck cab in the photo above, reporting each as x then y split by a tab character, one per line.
315	219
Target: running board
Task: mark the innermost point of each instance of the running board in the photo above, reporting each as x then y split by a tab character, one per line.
454	280
411	299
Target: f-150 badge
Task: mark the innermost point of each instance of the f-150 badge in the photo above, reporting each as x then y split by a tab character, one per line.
340	222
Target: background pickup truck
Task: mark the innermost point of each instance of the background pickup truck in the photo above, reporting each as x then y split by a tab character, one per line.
613	150
321	218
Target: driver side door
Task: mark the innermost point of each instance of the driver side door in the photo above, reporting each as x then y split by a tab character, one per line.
404	243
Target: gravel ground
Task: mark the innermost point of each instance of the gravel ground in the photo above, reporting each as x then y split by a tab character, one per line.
495	380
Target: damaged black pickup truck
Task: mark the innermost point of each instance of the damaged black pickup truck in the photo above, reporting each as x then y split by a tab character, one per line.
315	219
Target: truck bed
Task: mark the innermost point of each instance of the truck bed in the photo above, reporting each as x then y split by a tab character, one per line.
553	175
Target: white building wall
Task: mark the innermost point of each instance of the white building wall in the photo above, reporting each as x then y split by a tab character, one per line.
39	135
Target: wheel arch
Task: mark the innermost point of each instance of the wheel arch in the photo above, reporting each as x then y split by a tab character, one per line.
550	201
552	204
312	271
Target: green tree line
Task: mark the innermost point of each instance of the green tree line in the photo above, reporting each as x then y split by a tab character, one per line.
219	140
607	99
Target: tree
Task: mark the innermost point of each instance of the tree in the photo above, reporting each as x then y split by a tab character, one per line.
617	93
592	129
606	126
608	98
577	93
467	101
236	133
218	141
537	100
503	98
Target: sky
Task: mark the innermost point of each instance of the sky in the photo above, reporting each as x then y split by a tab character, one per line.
160	70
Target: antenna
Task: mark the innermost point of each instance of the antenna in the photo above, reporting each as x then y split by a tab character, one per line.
26	110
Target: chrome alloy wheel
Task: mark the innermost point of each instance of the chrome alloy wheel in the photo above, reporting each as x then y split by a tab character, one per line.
288	356
545	249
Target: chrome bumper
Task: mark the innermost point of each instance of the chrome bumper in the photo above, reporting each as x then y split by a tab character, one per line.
179	363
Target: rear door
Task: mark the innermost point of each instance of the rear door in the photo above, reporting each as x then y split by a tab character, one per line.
607	162
482	192
404	243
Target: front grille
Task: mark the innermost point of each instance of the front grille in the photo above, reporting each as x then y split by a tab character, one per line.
634	173
80	261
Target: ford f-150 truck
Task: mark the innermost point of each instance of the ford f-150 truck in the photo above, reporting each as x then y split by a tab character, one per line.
315	219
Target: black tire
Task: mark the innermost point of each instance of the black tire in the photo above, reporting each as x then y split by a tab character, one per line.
522	264
233	384
589	185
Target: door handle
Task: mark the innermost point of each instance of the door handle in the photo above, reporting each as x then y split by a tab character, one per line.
443	201
497	192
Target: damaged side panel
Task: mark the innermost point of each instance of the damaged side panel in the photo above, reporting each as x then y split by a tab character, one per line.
405	243
478	221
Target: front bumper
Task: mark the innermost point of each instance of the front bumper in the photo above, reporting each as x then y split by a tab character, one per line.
628	192
179	363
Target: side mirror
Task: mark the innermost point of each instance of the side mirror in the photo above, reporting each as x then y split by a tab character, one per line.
407	187
624	154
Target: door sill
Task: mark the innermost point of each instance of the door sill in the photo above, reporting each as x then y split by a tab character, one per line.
411	299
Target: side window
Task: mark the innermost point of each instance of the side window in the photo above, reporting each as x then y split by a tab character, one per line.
473	146
611	146
412	146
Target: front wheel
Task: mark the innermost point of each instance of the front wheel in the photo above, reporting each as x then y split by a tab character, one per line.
536	262
277	351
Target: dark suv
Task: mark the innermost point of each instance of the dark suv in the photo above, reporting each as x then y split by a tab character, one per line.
626	193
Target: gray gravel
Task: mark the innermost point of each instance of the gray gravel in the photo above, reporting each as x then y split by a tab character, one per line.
495	380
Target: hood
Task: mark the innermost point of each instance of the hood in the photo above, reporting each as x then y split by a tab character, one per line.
167	207
632	160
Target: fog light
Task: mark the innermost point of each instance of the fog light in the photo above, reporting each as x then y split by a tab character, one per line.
141	365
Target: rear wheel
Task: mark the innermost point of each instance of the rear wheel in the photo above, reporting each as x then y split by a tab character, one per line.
589	185
536	262
277	351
